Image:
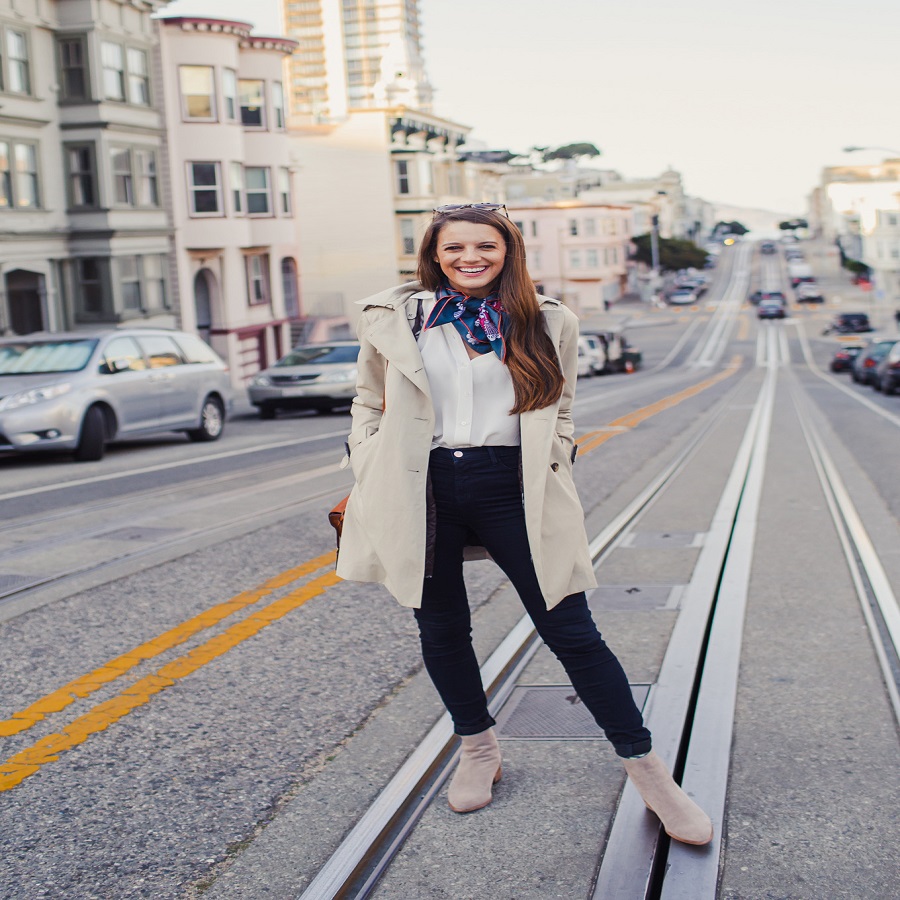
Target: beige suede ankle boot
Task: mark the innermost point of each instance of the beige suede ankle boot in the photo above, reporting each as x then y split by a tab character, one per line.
478	770
682	819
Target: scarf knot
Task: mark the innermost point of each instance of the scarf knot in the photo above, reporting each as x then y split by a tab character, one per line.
478	319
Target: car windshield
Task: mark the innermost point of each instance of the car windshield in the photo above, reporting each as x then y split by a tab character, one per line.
44	357
324	354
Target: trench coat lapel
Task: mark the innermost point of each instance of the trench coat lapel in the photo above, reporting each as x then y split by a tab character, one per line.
392	337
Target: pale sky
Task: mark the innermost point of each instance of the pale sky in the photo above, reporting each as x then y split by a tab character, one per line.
748	100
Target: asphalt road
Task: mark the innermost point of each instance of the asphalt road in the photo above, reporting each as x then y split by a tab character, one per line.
190	669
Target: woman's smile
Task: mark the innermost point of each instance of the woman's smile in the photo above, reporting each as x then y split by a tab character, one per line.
471	256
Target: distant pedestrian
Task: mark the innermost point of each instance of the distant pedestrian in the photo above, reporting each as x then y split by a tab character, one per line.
606	306
462	433
897	318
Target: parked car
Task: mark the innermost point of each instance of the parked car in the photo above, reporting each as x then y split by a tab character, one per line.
809	292
849	323
887	375
770	308
767	247
311	376
681	297
843	358
80	391
866	363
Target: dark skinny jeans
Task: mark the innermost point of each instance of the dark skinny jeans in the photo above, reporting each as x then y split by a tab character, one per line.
477	493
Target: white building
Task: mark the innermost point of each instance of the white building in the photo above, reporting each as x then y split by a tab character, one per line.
84	235
231	197
355	54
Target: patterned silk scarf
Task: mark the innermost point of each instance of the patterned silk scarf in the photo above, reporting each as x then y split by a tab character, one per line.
478	320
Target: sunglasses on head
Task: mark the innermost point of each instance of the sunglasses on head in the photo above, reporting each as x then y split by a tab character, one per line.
453	207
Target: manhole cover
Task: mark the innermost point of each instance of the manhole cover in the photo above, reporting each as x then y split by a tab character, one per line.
633	597
552	712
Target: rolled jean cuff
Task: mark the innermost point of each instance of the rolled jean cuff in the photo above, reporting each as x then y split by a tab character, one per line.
636	749
483	725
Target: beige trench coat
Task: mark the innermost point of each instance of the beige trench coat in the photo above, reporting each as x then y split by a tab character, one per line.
384	532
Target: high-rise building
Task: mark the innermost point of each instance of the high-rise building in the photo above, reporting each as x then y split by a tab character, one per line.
355	54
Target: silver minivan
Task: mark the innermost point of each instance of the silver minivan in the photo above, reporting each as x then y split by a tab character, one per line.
80	390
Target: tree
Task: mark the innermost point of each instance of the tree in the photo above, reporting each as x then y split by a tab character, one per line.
569	151
673	254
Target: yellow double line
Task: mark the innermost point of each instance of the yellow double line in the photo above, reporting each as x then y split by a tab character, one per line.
593	439
48	749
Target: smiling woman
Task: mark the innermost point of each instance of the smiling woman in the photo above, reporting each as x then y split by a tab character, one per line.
462	433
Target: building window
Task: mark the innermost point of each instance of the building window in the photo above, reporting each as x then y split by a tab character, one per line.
520	226
6	194
237	188
205	189
82	176
138	77
575	259
289	288
402	177
534	228
259	189
92	288
573	227
590	227
258	278
591	259
145	171
156	272
113	59
252	103
130	282
535	260
123	180
229	93
17	65
278	104
284	191
198	93
19	184
408	237
73	68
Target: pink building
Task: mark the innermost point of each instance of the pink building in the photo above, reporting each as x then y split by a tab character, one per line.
577	252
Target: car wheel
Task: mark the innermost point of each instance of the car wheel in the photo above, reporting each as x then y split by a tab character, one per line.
92	440
268	412
212	421
887	386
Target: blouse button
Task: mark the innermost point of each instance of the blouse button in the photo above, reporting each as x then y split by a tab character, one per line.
554	466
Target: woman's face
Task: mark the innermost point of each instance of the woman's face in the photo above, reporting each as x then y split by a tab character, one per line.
471	255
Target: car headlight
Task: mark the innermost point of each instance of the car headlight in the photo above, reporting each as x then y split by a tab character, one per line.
34	395
261	381
337	377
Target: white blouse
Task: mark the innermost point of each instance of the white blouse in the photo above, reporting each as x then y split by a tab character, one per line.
472	397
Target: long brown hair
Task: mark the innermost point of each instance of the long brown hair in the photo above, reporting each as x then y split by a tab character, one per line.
530	355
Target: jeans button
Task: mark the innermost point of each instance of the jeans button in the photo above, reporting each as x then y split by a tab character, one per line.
457	453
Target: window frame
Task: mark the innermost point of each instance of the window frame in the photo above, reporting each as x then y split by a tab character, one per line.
286	205
116	150
213	99
81	40
234	114
105	69
91	147
237	185
250	193
193	189
123	279
263	120
6	58
407	236
144	77
262	278
104	283
13	176
402	173
138	178
276	89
